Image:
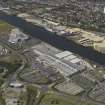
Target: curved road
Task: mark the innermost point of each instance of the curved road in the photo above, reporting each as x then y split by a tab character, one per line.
56	41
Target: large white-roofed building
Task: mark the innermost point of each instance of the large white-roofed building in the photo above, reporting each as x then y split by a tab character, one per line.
76	60
63	54
70	57
64	67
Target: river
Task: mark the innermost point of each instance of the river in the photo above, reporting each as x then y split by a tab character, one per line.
54	40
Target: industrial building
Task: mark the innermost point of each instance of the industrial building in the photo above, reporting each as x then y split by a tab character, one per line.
64	67
69	88
63	54
65	62
69	56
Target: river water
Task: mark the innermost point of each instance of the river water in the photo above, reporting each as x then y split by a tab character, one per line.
51	38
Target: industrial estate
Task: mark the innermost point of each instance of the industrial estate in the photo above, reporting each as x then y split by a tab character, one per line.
52	52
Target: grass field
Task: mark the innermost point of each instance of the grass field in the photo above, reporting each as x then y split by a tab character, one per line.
11	58
56	99
4	27
11	63
51	99
2	100
31	95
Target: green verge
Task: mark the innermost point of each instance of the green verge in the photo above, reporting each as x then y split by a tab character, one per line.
58	99
11	67
31	95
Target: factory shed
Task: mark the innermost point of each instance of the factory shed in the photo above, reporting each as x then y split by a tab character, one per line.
76	60
70	57
63	54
